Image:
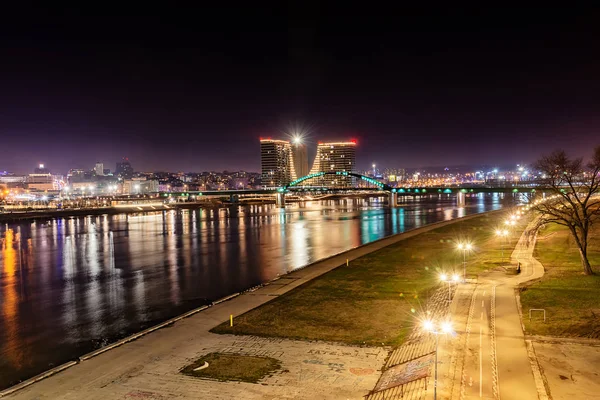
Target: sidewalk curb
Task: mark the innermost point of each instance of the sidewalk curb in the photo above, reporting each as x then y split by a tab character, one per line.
540	384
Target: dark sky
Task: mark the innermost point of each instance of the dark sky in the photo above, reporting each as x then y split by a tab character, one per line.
194	89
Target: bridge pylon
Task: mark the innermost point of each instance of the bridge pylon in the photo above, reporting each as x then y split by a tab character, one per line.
281	199
392	199
460	198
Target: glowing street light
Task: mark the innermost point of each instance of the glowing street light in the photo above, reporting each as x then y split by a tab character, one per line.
445	278
502	233
464	247
442	328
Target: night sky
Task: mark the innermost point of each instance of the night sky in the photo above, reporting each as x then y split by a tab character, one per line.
194	89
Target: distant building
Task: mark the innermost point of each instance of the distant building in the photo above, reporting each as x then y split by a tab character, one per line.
40	182
140	186
76	175
276	162
41	169
124	169
12	181
335	157
99	169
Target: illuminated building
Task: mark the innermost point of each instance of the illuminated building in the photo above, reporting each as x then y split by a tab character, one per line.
11	180
41	182
335	157
124	169
76	175
99	169
277	163
41	169
140	186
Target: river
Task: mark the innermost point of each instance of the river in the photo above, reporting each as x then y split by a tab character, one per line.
71	285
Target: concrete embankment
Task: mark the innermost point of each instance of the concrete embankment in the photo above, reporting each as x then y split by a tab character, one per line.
81	212
168	349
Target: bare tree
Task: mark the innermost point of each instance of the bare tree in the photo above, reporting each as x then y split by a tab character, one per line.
574	185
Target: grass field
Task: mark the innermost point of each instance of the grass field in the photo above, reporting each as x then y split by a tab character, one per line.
374	300
571	299
233	367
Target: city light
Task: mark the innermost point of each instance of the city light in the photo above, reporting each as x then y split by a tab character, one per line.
464	247
428	325
443	328
446	327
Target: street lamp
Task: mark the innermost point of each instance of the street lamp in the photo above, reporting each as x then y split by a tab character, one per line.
445	278
442	328
465	247
502	233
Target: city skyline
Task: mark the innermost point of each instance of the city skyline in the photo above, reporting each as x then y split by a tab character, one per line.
416	89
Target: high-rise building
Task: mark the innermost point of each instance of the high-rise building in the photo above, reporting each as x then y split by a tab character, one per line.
99	169
124	169
277	162
76	175
300	158
41	182
335	157
41	169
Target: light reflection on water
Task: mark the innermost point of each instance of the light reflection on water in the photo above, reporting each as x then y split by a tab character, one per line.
68	286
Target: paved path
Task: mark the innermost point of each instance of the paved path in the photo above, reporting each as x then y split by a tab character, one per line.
149	367
488	359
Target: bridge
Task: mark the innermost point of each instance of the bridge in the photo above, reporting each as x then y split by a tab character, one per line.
375	185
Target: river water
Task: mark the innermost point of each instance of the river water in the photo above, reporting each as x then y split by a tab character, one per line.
71	285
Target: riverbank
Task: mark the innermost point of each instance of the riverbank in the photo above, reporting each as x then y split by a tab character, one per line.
169	350
79	212
13	216
376	299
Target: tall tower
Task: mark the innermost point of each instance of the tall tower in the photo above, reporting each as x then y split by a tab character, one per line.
99	169
124	169
300	158
335	157
277	162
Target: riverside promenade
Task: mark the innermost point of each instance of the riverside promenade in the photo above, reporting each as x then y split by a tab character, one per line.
489	356
149	366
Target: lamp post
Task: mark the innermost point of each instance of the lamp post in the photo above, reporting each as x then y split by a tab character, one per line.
445	278
455	279
442	329
464	247
504	234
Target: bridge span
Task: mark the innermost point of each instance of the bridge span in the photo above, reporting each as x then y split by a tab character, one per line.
373	185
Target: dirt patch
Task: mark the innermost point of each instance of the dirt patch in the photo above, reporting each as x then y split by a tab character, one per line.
232	367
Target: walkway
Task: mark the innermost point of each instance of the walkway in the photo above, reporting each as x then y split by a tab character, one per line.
488	359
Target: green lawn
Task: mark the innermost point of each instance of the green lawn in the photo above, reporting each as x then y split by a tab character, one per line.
374	300
233	367
571	299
